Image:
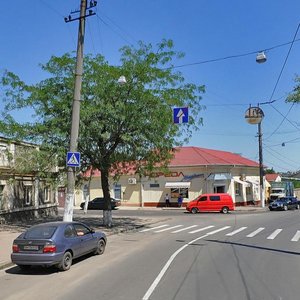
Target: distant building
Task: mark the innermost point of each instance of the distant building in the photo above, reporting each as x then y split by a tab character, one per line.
22	195
192	171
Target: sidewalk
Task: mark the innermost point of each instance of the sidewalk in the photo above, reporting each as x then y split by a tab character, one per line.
122	224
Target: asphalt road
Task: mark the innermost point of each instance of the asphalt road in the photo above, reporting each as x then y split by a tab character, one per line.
203	256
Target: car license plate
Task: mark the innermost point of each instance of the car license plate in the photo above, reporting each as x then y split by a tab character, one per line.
31	247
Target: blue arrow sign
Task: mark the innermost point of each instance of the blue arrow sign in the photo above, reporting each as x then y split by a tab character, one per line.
180	115
73	159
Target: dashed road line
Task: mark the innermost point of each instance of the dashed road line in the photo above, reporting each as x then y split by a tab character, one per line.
236	231
202	229
273	235
186	228
169	228
254	233
153	228
296	237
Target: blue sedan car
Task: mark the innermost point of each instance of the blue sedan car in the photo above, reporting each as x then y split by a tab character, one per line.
56	244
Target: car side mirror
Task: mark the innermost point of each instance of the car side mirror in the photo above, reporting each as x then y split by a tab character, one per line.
92	230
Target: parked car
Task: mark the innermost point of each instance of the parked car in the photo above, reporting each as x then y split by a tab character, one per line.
211	202
56	244
285	203
98	203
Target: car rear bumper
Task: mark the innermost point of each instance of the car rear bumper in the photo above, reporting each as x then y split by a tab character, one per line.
37	259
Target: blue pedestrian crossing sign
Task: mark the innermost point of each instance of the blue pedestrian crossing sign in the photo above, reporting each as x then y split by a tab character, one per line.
73	159
180	115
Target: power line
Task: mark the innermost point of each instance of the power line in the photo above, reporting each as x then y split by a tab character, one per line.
116	32
230	56
285	61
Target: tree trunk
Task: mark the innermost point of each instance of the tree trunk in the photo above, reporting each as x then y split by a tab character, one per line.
107	214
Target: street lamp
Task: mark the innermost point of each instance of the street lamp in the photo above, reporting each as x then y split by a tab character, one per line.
122	80
261	57
255	115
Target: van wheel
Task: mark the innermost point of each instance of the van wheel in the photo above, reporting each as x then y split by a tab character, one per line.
194	210
225	210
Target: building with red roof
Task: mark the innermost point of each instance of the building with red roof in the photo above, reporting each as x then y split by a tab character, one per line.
191	172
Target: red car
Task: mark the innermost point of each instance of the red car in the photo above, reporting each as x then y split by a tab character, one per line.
211	202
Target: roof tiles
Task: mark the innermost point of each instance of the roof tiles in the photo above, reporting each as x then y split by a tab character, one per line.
195	156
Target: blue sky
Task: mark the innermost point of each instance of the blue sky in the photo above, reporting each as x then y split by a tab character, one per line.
34	30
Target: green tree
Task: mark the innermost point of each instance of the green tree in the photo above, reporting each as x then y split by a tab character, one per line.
295	95
118	124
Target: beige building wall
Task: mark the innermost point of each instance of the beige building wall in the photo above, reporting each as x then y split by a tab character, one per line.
151	191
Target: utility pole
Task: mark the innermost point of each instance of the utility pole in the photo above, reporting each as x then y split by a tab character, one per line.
69	203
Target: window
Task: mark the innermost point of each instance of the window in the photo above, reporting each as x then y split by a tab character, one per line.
214	198
219	189
40	232
154	185
175	192
81	229
237	188
117	191
203	198
1	192
69	232
47	194
28	194
248	190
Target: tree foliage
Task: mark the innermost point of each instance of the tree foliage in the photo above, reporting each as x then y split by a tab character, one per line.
132	122
295	95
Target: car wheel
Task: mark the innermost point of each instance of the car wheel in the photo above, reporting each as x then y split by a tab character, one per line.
270	208
225	210
194	210
100	247
285	207
66	261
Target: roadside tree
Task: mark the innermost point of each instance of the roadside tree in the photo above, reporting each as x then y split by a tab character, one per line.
118	123
295	95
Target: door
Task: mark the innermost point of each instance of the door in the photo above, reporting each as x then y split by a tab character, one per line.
87	240
215	202
203	204
61	196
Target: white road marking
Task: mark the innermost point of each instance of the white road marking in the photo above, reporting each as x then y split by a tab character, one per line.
202	229
153	228
296	236
172	257
186	228
165	229
274	234
218	230
254	233
236	231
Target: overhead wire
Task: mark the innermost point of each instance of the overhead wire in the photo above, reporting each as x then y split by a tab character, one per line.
231	56
276	84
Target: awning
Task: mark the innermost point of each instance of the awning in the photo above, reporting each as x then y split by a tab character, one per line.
221	176
178	184
247	184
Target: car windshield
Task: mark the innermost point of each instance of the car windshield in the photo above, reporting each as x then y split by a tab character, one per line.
40	232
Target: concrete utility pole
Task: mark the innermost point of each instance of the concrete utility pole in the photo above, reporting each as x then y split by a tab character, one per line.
69	203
